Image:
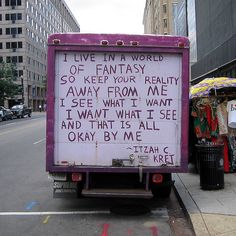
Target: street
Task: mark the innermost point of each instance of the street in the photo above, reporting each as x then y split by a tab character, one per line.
27	206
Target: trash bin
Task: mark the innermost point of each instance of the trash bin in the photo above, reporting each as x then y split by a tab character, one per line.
211	165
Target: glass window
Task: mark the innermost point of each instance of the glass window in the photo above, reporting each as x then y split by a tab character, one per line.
8	45
7	31
165	23
19	16
164	8
0	17
13	2
14	45
13	16
0	45
13	31
14	59
20	59
7	17
20	72
19	44
7	3
19	30
8	59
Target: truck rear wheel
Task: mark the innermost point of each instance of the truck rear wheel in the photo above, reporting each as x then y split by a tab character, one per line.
79	189
161	192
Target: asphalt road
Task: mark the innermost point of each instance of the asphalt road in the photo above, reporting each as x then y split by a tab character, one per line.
27	206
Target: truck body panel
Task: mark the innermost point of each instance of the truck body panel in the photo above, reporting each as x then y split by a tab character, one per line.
117	104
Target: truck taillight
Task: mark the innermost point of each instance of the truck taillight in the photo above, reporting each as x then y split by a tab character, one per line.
157	178
76	177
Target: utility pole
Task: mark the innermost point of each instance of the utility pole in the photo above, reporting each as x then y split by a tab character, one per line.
22	92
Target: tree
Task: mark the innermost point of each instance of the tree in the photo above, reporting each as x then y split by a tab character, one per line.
8	76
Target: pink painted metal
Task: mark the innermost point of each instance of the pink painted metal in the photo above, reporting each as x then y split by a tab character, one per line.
130	43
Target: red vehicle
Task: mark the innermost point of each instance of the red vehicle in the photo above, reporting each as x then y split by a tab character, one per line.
117	113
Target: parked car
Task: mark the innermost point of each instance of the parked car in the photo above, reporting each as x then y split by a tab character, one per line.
5	114
1	115
21	110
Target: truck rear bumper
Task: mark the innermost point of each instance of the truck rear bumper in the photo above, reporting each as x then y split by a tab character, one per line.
118	193
68	189
114	193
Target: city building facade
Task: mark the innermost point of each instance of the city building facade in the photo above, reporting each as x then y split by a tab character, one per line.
158	17
24	28
185	21
216	37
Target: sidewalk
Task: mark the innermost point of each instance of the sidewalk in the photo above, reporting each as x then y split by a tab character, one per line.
211	212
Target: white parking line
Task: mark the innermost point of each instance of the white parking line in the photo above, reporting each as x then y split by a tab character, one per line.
39	141
160	212
25	213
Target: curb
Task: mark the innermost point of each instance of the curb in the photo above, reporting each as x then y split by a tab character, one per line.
191	209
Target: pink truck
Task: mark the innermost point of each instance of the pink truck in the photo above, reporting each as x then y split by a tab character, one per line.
117	113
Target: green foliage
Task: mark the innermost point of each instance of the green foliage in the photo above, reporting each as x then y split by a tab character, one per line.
8	88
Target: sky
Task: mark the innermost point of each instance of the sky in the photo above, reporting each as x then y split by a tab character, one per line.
108	16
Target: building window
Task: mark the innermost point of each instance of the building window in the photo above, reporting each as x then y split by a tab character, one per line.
14	30
0	17
8	59
10	45
14	59
14	45
12	2
0	45
165	23
8	31
20	73
20	59
0	31
164	8
14	16
19	16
